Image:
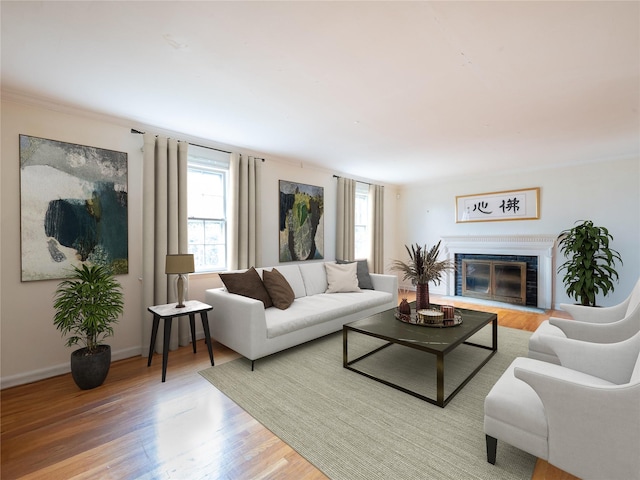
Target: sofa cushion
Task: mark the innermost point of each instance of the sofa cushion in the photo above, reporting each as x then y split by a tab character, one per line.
314	277
278	288
294	278
364	279
248	284
342	278
315	309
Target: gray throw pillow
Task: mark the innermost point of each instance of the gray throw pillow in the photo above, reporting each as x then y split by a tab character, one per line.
364	279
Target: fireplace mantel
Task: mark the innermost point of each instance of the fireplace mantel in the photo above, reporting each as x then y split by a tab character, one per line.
541	246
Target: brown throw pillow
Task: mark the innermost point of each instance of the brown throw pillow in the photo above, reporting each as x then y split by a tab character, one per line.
279	289
247	284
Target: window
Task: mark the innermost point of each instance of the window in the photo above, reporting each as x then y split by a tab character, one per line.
207	174
362	221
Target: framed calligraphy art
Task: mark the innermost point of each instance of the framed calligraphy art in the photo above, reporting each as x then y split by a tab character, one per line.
499	206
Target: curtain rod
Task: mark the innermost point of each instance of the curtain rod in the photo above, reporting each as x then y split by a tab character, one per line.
133	130
366	183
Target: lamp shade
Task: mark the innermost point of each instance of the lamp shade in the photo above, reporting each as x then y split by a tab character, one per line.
181	263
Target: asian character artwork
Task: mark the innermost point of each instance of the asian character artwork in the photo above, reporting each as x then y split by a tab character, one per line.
508	205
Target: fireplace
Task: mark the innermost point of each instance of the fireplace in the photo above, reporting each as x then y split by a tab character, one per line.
499	280
534	250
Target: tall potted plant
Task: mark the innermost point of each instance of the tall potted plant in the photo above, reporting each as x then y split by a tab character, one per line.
87	305
423	267
589	268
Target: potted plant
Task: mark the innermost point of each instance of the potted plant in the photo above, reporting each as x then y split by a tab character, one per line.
589	268
423	267
87	305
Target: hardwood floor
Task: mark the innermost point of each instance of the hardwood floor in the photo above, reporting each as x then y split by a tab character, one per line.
135	426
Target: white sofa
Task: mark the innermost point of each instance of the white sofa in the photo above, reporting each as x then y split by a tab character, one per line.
247	327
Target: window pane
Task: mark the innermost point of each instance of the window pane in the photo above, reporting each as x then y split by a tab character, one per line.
207	216
214	232
196	231
206	194
362	242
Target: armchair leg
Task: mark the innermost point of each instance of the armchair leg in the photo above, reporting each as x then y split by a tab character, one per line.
492	445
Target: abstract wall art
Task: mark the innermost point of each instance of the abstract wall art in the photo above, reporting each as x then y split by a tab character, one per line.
73	208
301	222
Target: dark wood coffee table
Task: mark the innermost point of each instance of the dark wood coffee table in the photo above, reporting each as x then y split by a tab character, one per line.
436	341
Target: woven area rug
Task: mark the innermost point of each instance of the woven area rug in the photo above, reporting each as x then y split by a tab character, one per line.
352	427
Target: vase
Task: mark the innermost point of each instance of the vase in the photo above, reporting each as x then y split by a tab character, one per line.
404	307
422	296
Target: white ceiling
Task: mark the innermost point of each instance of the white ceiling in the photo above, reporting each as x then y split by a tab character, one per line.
396	92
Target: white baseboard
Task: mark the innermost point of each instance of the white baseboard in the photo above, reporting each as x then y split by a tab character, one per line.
61	369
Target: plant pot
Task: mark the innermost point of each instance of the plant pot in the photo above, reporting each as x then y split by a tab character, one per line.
90	370
422	296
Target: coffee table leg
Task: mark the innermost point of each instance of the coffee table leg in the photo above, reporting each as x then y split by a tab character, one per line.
495	334
440	367
344	347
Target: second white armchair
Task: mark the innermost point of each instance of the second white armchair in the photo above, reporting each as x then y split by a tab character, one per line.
582	416
590	324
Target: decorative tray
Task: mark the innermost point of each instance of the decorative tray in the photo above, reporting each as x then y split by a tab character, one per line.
414	319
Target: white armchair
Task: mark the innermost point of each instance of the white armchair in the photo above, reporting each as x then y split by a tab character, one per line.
604	314
590	324
583	416
618	331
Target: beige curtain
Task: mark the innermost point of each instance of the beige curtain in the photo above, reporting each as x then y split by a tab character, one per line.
376	196
245	226
345	228
164	219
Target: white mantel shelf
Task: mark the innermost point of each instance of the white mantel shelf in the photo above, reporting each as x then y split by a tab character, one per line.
540	246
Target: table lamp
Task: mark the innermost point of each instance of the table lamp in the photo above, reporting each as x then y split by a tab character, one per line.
180	265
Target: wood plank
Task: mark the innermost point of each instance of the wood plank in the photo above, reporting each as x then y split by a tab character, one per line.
135	426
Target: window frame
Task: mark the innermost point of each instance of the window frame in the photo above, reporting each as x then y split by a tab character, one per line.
209	161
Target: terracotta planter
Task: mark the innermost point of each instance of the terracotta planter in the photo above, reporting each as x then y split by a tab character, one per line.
422	296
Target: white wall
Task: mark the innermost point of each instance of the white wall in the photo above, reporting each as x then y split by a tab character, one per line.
30	346
275	170
608	193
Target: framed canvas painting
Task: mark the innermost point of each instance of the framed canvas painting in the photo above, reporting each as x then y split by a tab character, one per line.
301	222
73	208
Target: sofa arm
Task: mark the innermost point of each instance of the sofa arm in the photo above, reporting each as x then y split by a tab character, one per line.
592	430
385	283
613	362
237	322
596	314
600	332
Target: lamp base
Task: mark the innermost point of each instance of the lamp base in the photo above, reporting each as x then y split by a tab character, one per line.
181	290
